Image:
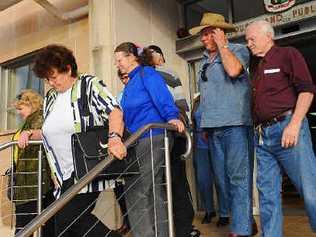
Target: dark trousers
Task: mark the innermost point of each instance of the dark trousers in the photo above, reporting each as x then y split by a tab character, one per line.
181	195
26	212
87	224
119	194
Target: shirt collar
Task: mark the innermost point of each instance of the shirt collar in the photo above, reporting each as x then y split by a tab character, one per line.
270	53
134	71
205	53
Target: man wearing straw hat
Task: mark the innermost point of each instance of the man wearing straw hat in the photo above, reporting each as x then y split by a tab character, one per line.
225	101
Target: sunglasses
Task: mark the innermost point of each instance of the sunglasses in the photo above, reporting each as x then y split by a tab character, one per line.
203	73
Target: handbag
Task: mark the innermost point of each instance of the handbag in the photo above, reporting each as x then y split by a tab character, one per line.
89	147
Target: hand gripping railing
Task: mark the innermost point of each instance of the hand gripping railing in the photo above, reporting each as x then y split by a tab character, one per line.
71	192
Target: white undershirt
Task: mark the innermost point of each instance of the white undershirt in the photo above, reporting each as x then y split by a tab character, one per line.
58	128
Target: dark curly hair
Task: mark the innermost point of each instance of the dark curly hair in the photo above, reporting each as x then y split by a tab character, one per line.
54	56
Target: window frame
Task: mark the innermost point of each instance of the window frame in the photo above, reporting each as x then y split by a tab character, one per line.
5	69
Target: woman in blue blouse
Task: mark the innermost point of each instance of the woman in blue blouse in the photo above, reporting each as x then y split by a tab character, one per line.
146	99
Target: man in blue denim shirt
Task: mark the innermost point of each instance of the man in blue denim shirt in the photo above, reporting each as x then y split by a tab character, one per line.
225	101
283	91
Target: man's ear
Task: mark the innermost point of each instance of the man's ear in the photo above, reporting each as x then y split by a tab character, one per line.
270	35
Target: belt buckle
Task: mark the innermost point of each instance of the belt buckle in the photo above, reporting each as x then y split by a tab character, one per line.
269	123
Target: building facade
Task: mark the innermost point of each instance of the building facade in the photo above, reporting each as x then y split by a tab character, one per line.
93	28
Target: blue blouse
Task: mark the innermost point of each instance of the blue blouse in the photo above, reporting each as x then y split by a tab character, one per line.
146	99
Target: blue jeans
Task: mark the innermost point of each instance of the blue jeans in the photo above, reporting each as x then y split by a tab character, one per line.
300	165
232	153
205	179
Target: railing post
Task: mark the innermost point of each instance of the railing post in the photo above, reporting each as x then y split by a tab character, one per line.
39	188
169	185
11	186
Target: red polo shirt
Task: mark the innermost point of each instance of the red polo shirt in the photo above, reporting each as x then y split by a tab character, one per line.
278	79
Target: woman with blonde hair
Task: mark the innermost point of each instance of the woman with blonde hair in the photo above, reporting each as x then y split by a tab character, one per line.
25	159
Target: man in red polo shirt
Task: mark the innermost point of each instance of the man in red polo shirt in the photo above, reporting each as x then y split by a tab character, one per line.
283	91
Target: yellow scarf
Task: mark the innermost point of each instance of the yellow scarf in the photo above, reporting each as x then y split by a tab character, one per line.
16	148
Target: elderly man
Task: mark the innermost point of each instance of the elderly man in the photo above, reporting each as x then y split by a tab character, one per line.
225	105
282	94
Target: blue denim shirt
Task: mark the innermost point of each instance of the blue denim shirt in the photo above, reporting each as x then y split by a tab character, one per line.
225	101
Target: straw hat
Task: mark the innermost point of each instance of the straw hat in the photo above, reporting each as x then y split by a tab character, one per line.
212	20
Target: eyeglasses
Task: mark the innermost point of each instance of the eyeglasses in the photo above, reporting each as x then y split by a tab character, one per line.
124	77
203	73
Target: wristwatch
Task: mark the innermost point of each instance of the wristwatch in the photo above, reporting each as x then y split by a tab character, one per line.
225	46
114	134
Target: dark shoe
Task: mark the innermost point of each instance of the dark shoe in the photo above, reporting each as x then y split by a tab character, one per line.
222	221
208	217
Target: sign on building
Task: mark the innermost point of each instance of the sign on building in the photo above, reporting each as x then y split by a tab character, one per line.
278	5
297	13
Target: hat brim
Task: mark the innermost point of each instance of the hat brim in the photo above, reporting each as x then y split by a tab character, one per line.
224	26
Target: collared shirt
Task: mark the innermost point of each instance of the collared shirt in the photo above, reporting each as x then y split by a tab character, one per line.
146	99
280	76
101	103
225	101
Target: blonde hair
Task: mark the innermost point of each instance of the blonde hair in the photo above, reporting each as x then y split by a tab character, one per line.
30	98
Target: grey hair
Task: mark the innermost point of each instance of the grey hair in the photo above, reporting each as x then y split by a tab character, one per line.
264	25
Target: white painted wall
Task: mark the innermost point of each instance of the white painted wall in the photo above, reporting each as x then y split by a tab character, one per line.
143	22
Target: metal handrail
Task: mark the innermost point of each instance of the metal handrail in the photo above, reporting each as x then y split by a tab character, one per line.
12	143
52	209
39	174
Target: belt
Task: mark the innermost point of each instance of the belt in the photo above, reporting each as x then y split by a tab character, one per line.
270	122
275	119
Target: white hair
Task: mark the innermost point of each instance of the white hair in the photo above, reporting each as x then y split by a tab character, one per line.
265	27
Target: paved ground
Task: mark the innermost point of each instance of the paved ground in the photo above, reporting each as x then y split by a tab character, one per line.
294	226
